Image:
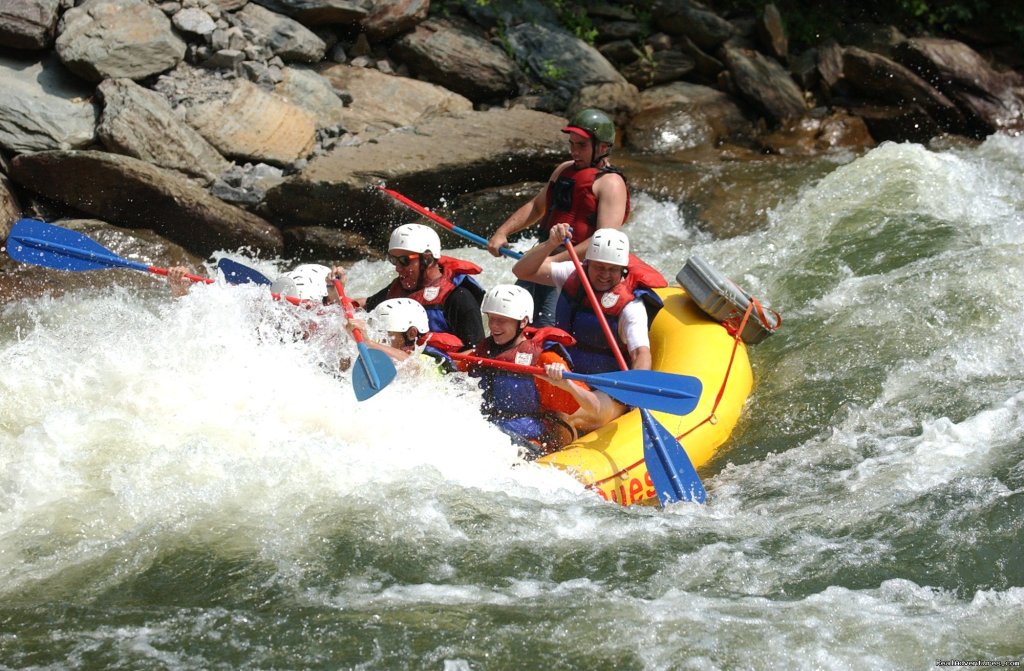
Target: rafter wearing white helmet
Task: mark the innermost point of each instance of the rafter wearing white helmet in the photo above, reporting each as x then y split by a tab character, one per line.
398	315
508	300
609	245
415	238
307	281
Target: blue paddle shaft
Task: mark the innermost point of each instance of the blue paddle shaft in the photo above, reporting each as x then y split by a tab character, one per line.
639	382
655	390
371	371
483	242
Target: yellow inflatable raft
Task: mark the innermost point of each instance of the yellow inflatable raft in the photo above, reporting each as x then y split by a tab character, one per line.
684	340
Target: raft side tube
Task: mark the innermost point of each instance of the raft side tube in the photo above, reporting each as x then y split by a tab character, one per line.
686	341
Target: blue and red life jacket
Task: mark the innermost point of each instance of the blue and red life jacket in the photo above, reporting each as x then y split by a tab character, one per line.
592	353
570	200
454	273
510	395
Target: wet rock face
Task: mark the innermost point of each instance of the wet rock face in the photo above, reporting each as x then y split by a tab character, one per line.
986	97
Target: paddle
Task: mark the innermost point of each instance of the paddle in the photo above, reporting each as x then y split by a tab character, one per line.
374	369
237	273
41	244
36	242
473	237
664	392
672	472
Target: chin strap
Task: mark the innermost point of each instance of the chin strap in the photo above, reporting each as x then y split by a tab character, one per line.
423	269
596	162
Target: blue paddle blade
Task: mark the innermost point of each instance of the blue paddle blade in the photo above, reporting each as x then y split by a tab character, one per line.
651	389
672	472
373	370
36	242
238	273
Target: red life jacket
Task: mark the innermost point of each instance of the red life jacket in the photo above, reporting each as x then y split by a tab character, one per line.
570	200
452	273
592	353
446	342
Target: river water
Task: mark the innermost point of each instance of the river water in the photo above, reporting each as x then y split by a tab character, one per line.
185	485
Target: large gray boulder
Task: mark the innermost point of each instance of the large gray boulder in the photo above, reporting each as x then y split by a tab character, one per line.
283	36
692	19
43	107
897	123
661	67
131	193
765	83
499	14
194	21
771	33
439	158
381	102
28	24
452	54
618	99
240	119
103	39
139	122
305	88
327	244
321	12
559	59
985	96
393	17
882	80
682	116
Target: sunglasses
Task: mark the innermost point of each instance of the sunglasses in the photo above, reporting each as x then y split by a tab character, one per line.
402	260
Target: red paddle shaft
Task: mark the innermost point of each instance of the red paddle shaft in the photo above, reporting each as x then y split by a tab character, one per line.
585	281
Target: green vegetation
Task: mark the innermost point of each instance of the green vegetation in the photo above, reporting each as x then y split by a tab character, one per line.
552	71
574	17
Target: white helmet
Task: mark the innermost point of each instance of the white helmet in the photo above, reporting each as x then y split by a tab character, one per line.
396	315
307	281
415	238
508	300
609	245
